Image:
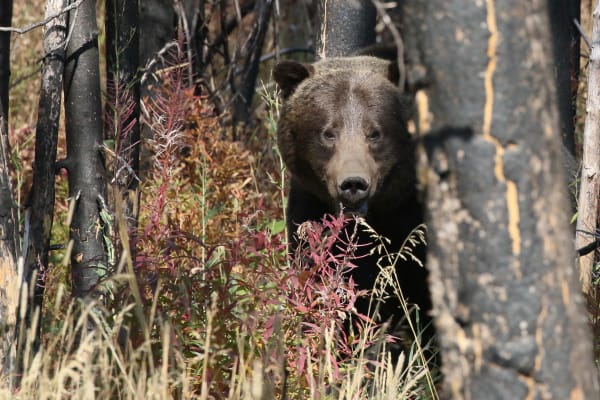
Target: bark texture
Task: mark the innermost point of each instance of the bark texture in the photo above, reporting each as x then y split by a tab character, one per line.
5	21
346	27
9	233
587	213
84	161
40	209
508	307
565	44
9	240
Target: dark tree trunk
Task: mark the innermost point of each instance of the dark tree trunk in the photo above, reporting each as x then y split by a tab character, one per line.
5	21
9	239
157	28
346	27
40	209
508	307
85	162
565	42
122	60
9	232
251	54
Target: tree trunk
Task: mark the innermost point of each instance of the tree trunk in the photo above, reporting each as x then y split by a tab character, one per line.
565	44
85	162
5	21
251	53
9	240
122	60
587	214
41	206
507	304
9	230
346	26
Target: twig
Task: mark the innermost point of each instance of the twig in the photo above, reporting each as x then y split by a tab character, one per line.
28	28
188	39
582	33
159	56
387	21
588	248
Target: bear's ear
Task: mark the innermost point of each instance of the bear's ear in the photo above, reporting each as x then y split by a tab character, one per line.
288	74
394	74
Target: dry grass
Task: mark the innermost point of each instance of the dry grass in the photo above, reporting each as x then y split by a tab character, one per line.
213	318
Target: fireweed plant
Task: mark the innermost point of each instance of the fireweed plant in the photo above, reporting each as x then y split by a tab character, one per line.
223	311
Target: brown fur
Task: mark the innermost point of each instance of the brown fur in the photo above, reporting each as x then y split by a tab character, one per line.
342	134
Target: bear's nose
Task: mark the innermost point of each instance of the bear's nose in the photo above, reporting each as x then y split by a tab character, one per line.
353	190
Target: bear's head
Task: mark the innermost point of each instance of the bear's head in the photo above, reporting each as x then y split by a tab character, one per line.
342	132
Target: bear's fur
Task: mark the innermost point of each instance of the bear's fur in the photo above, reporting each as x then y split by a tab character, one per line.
342	135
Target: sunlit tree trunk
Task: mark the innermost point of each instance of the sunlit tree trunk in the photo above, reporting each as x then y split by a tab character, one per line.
587	215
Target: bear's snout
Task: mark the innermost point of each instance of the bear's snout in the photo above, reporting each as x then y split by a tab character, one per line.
353	192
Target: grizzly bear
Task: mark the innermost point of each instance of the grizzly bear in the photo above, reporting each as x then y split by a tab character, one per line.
342	135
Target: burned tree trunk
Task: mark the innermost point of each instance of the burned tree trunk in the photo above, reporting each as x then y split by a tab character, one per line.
5	21
85	163
9	241
40	210
507	304
346	26
122	60
9	231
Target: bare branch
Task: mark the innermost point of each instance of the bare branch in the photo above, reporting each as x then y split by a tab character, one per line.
387	21
582	33
31	27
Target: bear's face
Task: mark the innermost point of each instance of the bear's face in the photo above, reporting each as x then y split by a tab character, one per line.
342	133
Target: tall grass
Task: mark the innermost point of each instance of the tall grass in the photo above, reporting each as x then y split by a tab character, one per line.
212	307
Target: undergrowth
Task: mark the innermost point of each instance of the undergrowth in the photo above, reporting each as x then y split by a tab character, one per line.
216	308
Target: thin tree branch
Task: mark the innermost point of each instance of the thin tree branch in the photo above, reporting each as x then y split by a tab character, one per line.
31	27
387	21
586	39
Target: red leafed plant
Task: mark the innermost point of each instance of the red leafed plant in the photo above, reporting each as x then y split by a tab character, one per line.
212	257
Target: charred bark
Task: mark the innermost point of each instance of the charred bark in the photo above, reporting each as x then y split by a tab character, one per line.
507	304
5	21
9	232
122	65
9	241
40	208
565	44
85	163
346	27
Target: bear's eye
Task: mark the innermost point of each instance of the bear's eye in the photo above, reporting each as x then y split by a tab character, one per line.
328	135
374	135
